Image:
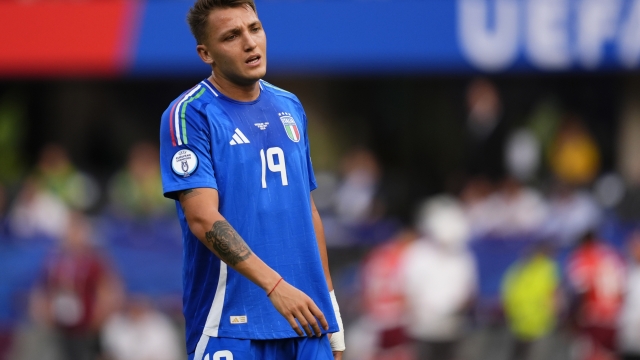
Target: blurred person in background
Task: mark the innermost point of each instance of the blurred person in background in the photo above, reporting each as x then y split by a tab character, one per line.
140	332
486	129
629	323
572	213
383	322
37	212
519	210
136	191
523	155
76	293
530	297
53	187
440	279
574	155
480	206
596	275
356	194
56	174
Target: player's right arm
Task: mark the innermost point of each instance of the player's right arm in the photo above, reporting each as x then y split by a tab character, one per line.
200	206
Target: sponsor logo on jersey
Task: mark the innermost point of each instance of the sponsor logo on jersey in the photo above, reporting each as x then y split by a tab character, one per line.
262	126
239	319
184	163
290	126
238	138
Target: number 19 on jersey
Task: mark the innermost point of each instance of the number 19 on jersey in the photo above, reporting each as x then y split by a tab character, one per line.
268	161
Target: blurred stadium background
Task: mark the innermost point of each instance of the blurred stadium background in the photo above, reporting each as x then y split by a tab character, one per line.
478	165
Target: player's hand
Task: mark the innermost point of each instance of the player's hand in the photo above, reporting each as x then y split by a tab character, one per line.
294	305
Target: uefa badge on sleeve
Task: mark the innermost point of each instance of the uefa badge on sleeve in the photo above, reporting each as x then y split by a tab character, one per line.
184	163
290	126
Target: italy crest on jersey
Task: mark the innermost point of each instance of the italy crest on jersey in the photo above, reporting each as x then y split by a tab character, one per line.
290	126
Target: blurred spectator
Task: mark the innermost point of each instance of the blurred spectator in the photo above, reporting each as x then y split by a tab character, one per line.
37	212
56	174
140	332
522	154
520	210
609	190
530	290
485	128
76	293
571	214
356	195
42	205
574	154
384	300
440	279
480	207
629	325
512	211
136	191
596	275
544	121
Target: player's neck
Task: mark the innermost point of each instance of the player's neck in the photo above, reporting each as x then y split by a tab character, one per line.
235	91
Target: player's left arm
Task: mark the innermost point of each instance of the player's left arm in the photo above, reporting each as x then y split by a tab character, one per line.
337	339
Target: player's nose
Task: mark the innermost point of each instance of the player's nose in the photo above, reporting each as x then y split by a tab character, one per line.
249	43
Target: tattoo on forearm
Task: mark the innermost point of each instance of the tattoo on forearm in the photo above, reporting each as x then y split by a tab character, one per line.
227	243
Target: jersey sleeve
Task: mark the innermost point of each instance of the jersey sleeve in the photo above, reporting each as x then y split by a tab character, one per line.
185	148
312	178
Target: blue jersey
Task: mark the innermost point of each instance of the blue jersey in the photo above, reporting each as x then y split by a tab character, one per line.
256	154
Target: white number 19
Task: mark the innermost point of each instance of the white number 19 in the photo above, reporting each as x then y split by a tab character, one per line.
273	167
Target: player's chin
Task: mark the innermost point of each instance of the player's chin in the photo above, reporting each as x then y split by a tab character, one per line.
257	73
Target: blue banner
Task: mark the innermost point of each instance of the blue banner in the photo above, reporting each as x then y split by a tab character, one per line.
411	36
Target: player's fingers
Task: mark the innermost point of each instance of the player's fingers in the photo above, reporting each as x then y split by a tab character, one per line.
303	322
294	325
319	315
313	322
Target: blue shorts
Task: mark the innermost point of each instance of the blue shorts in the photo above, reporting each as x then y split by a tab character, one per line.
302	348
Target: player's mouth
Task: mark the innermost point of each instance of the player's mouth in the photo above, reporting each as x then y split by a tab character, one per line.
253	60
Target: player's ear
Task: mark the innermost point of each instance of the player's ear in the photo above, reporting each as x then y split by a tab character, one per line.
204	54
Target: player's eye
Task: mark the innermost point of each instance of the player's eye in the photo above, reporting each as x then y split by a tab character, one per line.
231	37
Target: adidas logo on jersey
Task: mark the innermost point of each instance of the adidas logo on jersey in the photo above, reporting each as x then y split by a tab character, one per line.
242	319
238	138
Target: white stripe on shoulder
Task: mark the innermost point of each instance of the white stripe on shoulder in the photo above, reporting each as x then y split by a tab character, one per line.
273	86
204	82
215	313
176	115
201	347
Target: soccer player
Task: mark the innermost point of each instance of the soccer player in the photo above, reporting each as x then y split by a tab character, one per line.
235	156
